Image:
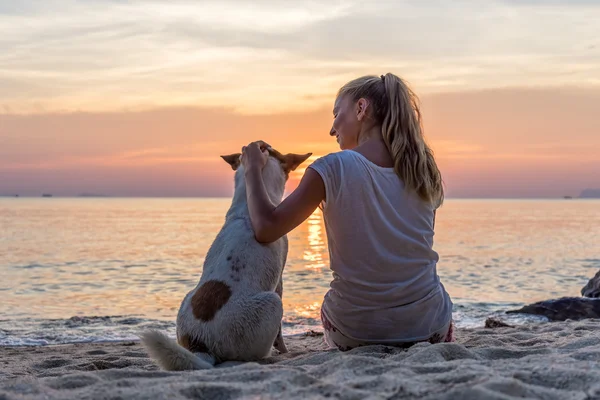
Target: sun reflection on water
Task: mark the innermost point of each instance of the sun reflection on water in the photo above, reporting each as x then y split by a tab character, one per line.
313	254
310	310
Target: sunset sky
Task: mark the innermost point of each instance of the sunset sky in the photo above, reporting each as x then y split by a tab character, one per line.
139	98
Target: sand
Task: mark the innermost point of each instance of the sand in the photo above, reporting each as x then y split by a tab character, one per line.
558	360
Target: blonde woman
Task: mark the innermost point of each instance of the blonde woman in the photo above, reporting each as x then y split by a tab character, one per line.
379	196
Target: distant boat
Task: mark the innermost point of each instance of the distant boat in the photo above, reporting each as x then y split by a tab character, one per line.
46	195
91	195
568	197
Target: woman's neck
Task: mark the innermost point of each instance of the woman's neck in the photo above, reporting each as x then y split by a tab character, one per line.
373	148
372	133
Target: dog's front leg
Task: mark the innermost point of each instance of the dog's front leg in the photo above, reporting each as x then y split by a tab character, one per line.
279	344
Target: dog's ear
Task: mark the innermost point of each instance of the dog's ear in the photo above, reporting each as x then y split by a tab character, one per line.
233	160
292	161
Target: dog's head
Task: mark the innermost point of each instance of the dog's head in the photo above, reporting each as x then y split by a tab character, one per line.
284	162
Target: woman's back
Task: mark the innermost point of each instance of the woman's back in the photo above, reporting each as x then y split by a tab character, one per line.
380	237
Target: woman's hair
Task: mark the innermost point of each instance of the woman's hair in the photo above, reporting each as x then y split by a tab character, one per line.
396	108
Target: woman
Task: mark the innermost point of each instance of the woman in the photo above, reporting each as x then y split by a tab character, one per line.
379	197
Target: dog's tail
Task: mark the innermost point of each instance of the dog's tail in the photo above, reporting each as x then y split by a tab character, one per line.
171	356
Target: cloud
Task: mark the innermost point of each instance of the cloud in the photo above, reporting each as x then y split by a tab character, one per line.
268	57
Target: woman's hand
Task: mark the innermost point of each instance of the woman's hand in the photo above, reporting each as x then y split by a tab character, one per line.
270	222
255	155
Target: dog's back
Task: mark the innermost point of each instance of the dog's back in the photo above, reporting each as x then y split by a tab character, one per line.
238	260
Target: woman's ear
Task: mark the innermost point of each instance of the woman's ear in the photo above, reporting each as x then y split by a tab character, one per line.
361	108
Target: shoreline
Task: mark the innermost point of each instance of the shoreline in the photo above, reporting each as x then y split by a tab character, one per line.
29	331
551	360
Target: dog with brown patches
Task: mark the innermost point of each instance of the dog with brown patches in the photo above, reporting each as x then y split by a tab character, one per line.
235	311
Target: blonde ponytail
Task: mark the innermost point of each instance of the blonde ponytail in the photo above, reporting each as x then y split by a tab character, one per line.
396	108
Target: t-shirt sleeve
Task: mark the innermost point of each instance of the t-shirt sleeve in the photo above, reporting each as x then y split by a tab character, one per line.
328	167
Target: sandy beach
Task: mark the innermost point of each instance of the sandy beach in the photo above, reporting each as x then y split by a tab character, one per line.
548	361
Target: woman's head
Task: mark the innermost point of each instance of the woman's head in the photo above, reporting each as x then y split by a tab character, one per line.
388	102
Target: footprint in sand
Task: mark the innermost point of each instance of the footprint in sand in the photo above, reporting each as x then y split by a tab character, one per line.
53	363
97	352
210	392
136	354
75	381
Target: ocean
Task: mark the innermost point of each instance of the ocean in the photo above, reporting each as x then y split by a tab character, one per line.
104	269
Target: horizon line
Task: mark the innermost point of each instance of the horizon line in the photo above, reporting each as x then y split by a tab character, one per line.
49	196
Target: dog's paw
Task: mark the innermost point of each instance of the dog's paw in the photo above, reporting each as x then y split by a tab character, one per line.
280	345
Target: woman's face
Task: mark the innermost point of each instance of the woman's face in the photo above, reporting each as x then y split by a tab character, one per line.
346	123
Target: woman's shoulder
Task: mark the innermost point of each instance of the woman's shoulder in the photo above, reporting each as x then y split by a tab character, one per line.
351	160
325	161
336	157
334	163
331	156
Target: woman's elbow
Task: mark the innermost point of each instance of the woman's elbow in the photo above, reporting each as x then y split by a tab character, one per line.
265	233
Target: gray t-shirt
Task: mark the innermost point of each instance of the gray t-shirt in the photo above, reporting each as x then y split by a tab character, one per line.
385	285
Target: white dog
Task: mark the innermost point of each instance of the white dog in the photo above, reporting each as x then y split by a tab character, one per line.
235	311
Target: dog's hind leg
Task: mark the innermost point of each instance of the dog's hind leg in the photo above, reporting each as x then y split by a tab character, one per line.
252	326
279	343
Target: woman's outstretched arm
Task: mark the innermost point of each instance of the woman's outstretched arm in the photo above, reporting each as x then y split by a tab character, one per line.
271	222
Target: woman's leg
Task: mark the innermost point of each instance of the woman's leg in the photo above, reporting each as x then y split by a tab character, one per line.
444	335
335	339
